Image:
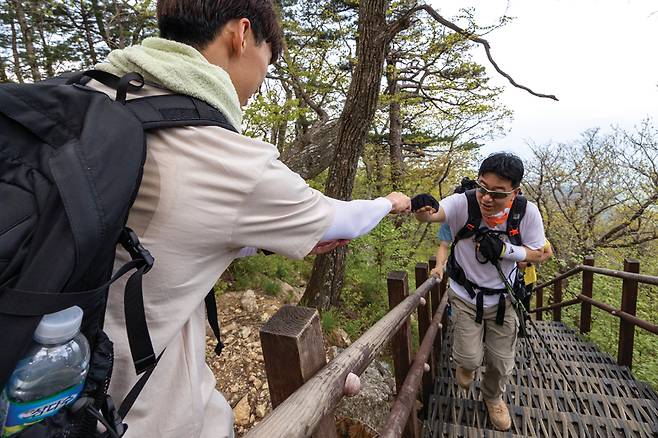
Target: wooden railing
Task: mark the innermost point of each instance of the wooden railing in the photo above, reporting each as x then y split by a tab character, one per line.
626	314
305	391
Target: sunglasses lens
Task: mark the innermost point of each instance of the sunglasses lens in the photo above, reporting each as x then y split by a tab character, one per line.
498	195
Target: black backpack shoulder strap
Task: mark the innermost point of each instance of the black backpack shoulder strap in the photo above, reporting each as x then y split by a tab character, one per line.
474	217
516	213
171	110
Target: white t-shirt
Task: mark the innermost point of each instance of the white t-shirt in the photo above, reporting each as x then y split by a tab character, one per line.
485	275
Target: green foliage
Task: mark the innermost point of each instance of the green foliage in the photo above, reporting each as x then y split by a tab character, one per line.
271	287
329	320
261	272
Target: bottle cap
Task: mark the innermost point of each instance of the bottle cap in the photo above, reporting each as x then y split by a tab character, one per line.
59	327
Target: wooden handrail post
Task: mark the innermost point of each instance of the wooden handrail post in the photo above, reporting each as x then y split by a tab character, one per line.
401	343
628	305
435	294
587	288
293	350
539	302
557	297
424	320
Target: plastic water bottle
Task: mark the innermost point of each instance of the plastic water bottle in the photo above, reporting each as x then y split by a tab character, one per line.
50	376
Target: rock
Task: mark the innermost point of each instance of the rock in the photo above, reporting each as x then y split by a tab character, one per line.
230	327
373	403
257	383
234	388
248	301
339	338
242	412
261	410
290	294
252	418
264	317
245	332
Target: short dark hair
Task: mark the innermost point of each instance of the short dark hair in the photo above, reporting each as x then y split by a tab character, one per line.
505	165
197	22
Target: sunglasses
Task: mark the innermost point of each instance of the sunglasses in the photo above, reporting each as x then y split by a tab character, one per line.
494	194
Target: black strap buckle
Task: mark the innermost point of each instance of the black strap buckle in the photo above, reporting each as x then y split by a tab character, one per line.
130	242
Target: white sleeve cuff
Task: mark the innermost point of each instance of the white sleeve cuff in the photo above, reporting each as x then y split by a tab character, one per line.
356	218
514	253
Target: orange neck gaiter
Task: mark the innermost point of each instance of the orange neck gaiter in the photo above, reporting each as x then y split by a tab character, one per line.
498	218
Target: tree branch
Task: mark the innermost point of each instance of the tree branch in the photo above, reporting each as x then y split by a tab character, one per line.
434	14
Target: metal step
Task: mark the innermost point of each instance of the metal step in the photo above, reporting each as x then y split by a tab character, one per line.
451	430
555	381
570	368
533	422
624	408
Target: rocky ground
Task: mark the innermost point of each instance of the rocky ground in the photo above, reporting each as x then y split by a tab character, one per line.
240	370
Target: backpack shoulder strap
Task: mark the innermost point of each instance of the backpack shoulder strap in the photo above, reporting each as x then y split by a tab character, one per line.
474	217
171	110
516	213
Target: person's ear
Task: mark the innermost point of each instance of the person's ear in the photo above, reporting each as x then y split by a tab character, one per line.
239	35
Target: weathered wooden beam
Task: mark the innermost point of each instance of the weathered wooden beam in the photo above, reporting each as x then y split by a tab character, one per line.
557	298
629	306
587	289
424	320
321	394
293	350
401	343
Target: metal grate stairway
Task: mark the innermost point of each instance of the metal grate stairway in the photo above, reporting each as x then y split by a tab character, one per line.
608	401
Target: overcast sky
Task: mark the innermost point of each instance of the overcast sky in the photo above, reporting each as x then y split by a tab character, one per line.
599	57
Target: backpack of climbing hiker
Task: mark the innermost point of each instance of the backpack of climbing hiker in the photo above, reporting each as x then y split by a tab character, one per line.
71	161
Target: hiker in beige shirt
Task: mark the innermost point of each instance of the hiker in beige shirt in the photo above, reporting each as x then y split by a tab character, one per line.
207	194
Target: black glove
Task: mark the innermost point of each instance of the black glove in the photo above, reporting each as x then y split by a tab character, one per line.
424	200
491	247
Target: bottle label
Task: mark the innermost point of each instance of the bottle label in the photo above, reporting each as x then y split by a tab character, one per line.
23	414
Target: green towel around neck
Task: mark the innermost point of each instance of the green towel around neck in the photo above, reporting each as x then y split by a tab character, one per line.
181	69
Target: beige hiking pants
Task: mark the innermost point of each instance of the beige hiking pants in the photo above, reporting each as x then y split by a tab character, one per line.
497	347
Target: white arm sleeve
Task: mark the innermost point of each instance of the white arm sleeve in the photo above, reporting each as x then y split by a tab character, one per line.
356	218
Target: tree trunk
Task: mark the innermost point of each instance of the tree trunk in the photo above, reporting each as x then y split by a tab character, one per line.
17	56
328	270
86	25
98	15
395	126
3	71
28	39
48	57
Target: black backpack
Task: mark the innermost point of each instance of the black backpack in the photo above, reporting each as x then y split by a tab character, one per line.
472	227
71	162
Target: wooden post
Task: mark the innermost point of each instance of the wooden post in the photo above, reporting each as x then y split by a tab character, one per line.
588	286
401	343
435	298
424	320
557	297
443	289
435	293
628	305
293	350
539	302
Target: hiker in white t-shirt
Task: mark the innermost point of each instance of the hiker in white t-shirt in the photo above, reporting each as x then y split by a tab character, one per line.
484	224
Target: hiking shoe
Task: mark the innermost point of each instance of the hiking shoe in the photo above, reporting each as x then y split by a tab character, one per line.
464	377
498	414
